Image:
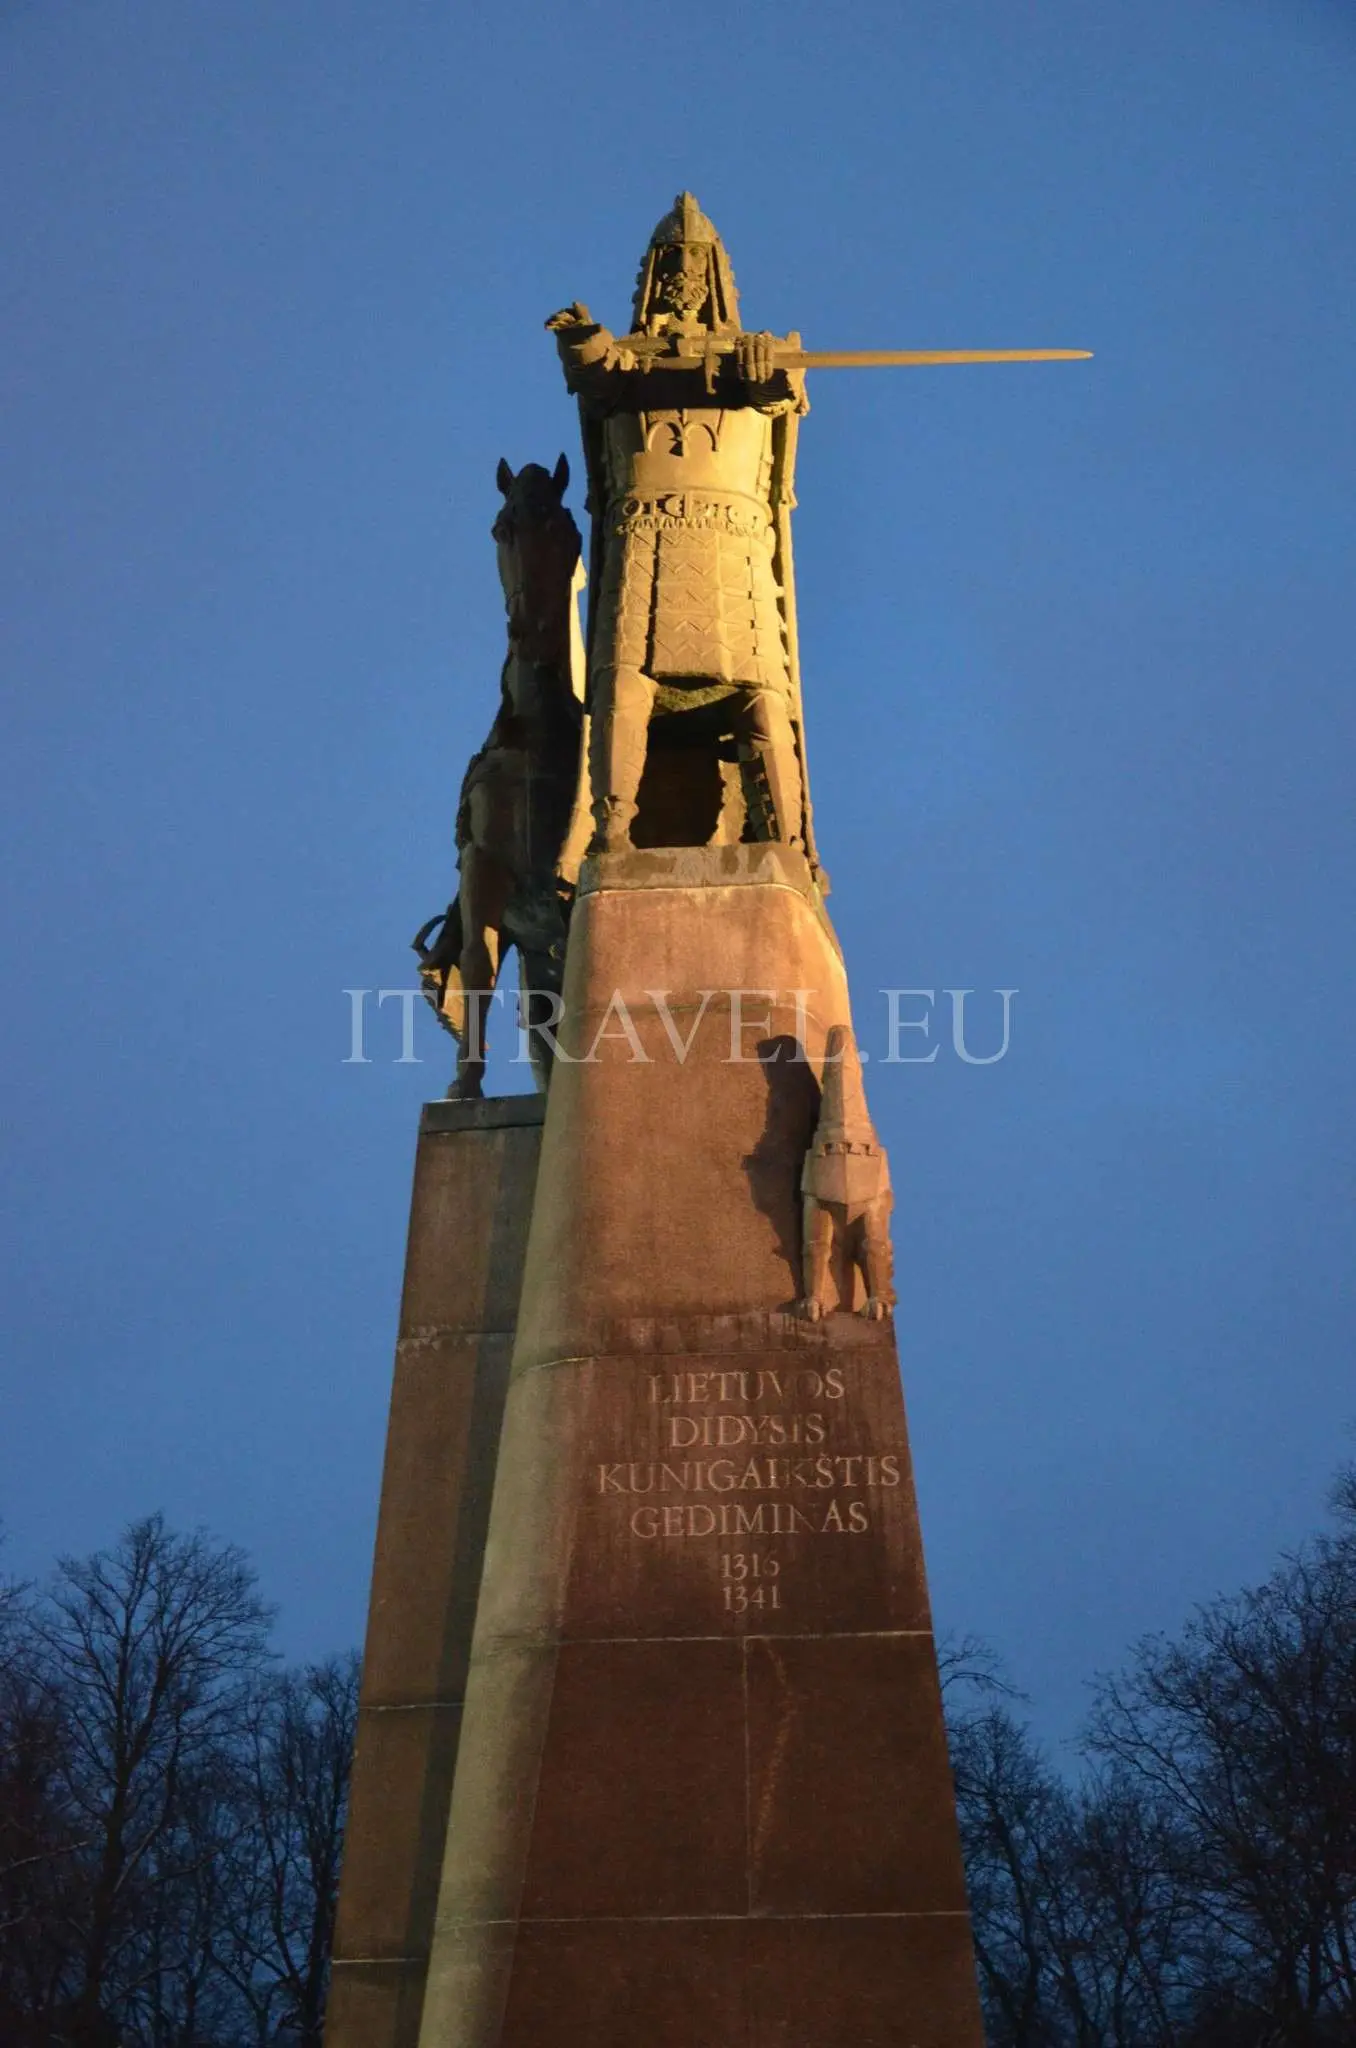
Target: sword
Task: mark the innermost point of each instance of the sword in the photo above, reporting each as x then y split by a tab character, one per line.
911	358
654	352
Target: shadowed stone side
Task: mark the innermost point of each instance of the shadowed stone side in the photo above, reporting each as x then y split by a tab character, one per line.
475	1170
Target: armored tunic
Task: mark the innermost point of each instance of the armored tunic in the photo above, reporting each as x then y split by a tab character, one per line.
688	586
687	589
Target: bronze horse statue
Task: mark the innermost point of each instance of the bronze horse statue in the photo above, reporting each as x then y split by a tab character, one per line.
520	808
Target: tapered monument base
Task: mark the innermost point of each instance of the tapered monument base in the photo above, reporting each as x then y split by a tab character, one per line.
702	1792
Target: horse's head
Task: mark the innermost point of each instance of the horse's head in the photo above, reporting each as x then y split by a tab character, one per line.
539	545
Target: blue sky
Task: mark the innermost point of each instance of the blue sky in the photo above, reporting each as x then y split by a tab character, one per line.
1078	659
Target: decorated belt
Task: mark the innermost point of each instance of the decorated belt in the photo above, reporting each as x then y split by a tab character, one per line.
700	509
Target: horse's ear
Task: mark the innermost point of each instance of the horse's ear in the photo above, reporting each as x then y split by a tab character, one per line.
560	476
503	476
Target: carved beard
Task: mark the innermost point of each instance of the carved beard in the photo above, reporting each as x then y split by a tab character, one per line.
682	293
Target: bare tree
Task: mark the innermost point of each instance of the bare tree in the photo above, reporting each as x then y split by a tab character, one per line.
1011	1808
1196	1887
280	1924
1242	1733
38	1838
151	1652
171	1808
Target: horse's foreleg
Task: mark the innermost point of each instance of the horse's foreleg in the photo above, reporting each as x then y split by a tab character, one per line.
483	893
479	973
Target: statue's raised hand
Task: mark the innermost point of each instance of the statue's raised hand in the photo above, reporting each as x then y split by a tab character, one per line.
570	316
756	357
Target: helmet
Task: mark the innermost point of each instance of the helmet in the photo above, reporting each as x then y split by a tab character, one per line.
685	275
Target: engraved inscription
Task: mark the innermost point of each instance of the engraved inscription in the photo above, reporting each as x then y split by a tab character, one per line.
728	1475
741	1456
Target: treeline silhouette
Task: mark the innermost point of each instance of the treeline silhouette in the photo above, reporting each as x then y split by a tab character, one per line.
172	1807
1194	1884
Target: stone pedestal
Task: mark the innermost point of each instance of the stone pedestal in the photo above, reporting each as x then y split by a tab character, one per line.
702	1794
475	1169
